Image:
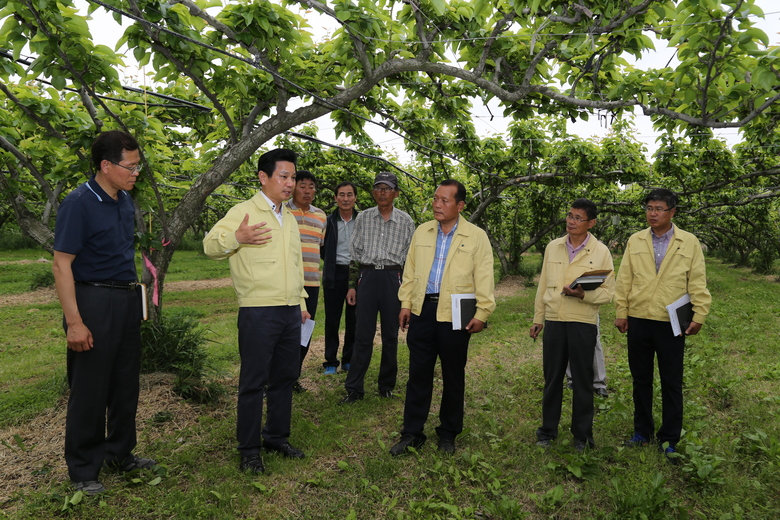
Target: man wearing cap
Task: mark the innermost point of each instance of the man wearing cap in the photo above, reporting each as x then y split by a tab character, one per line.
378	250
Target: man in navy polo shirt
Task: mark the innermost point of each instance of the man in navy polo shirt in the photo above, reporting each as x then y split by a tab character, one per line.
95	276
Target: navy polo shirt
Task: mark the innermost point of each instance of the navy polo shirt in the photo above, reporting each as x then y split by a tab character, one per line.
98	230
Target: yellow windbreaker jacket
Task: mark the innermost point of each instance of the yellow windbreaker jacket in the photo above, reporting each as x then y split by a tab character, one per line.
550	304
468	269
643	293
266	275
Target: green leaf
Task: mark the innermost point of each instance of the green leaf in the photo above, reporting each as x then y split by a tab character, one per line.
77	497
58	82
155	481
439	6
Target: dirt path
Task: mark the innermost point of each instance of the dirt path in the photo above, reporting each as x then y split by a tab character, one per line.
48	295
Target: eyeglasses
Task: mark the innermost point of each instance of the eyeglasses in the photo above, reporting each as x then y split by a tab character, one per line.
576	218
383	189
135	169
655	209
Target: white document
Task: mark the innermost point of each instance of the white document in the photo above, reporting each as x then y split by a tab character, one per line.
673	309
459	301
307	327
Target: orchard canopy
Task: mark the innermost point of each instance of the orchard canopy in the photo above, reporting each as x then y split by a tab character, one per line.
222	80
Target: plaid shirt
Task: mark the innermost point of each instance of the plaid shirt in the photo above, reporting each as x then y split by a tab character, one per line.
379	242
443	241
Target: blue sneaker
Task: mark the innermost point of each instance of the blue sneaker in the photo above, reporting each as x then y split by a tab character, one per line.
671	455
345	367
330	371
636	441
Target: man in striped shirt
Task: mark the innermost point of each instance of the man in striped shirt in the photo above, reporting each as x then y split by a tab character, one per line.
311	222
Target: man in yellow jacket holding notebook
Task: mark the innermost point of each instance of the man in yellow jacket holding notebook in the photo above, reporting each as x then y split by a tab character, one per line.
447	256
569	318
660	265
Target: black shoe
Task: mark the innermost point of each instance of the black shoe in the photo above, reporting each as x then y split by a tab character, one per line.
252	464
447	446
407	441
580	446
131	463
89	487
544	443
351	397
285	449
298	388
386	394
601	392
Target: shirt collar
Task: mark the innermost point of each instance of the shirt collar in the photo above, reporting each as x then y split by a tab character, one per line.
270	202
452	231
100	193
581	246
665	236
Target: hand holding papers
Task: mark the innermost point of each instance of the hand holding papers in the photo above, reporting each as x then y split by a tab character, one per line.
307	328
680	314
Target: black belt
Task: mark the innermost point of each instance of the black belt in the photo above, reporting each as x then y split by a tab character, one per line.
433	297
386	267
125	286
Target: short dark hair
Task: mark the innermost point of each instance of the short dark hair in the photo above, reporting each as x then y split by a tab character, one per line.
460	194
662	195
590	208
342	184
305	175
267	162
109	146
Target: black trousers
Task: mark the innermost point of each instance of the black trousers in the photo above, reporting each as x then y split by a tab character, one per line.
313	294
100	424
646	340
377	293
567	342
269	341
335	301
427	340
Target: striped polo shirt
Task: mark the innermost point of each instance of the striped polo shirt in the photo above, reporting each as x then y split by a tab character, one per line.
311	224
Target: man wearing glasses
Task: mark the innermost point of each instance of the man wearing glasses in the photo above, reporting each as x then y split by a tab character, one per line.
378	250
569	318
660	265
95	277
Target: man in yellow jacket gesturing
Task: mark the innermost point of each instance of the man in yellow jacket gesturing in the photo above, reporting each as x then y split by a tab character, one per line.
569	318
448	255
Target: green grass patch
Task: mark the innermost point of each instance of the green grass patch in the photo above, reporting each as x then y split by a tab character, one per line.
730	453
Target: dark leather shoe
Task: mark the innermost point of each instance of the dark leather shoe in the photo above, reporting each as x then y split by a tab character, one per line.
544	443
407	441
386	394
447	446
581	446
601	392
252	464
351	397
285	449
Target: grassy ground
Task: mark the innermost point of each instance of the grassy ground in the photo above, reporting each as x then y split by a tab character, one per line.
730	452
